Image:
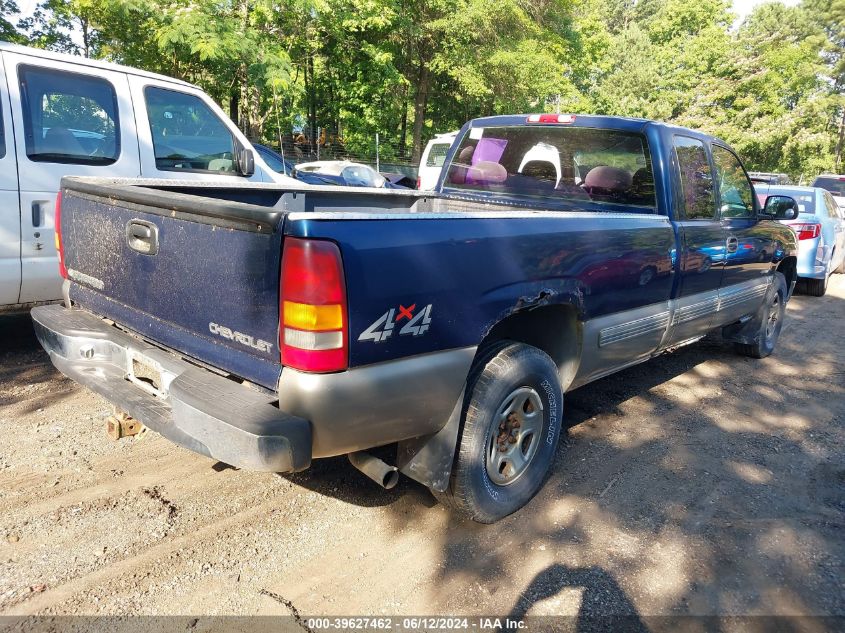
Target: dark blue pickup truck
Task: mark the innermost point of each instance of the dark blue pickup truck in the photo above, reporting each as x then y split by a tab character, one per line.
265	327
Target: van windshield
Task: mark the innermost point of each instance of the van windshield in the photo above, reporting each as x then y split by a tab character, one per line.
566	163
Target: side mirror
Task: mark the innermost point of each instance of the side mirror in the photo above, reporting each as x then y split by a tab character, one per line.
245	162
781	208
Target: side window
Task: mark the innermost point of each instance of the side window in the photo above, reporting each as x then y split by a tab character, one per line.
69	117
187	135
832	208
698	197
735	190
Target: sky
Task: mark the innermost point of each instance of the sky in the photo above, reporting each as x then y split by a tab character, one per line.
743	7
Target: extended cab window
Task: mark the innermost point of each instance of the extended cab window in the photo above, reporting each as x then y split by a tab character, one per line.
69	117
698	198
553	162
735	191
187	135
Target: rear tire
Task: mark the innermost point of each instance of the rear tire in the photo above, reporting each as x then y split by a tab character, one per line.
509	433
770	319
816	287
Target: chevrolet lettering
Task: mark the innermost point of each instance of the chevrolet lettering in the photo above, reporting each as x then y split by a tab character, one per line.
243	339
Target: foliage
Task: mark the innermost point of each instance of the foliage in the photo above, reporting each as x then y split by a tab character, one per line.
407	69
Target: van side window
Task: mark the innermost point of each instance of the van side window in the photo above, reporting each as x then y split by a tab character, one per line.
69	117
698	198
735	192
2	131
187	135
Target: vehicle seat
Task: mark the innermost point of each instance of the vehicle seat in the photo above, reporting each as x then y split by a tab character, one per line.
642	187
541	170
608	184
458	171
60	140
486	172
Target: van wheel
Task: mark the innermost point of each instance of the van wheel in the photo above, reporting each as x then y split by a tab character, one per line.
509	433
770	319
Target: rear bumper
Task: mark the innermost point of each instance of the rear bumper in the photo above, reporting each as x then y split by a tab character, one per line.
193	407
316	415
813	259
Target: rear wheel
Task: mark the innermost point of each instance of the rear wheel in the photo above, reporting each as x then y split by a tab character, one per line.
770	319
509	435
816	287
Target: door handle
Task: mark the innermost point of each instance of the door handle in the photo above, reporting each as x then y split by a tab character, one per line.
142	236
38	212
732	244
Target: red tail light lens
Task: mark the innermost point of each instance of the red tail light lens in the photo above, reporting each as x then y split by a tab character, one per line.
313	334
551	118
807	231
419	182
60	248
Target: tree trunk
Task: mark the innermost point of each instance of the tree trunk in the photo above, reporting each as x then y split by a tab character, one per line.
312	104
839	143
420	104
233	108
86	37
403	128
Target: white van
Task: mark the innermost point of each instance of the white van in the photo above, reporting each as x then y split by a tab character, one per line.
65	115
432	160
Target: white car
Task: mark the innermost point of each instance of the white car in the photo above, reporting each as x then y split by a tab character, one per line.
65	115
432	160
346	172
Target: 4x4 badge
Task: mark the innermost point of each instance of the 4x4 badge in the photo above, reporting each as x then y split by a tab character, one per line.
383	327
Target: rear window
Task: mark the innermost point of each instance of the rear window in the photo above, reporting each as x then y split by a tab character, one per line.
555	163
806	199
835	185
437	154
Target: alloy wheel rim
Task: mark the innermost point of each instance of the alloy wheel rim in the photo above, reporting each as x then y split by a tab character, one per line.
514	436
772	320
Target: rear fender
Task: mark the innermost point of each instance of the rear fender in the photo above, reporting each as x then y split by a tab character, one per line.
537	310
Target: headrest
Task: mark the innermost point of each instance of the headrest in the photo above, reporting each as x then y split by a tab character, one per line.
486	172
608	178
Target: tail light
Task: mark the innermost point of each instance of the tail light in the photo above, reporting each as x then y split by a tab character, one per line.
313	335
807	231
60	248
419	182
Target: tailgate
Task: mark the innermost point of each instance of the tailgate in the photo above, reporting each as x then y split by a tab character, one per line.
198	275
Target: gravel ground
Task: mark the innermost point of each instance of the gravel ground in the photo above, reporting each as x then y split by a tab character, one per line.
698	483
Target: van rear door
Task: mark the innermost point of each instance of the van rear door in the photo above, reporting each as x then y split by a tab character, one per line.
69	119
10	218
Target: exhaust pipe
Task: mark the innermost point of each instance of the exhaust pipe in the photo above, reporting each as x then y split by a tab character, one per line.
383	474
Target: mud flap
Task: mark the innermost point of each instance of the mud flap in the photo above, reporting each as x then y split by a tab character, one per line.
429	459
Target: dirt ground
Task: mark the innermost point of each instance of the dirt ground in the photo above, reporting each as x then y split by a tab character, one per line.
700	482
